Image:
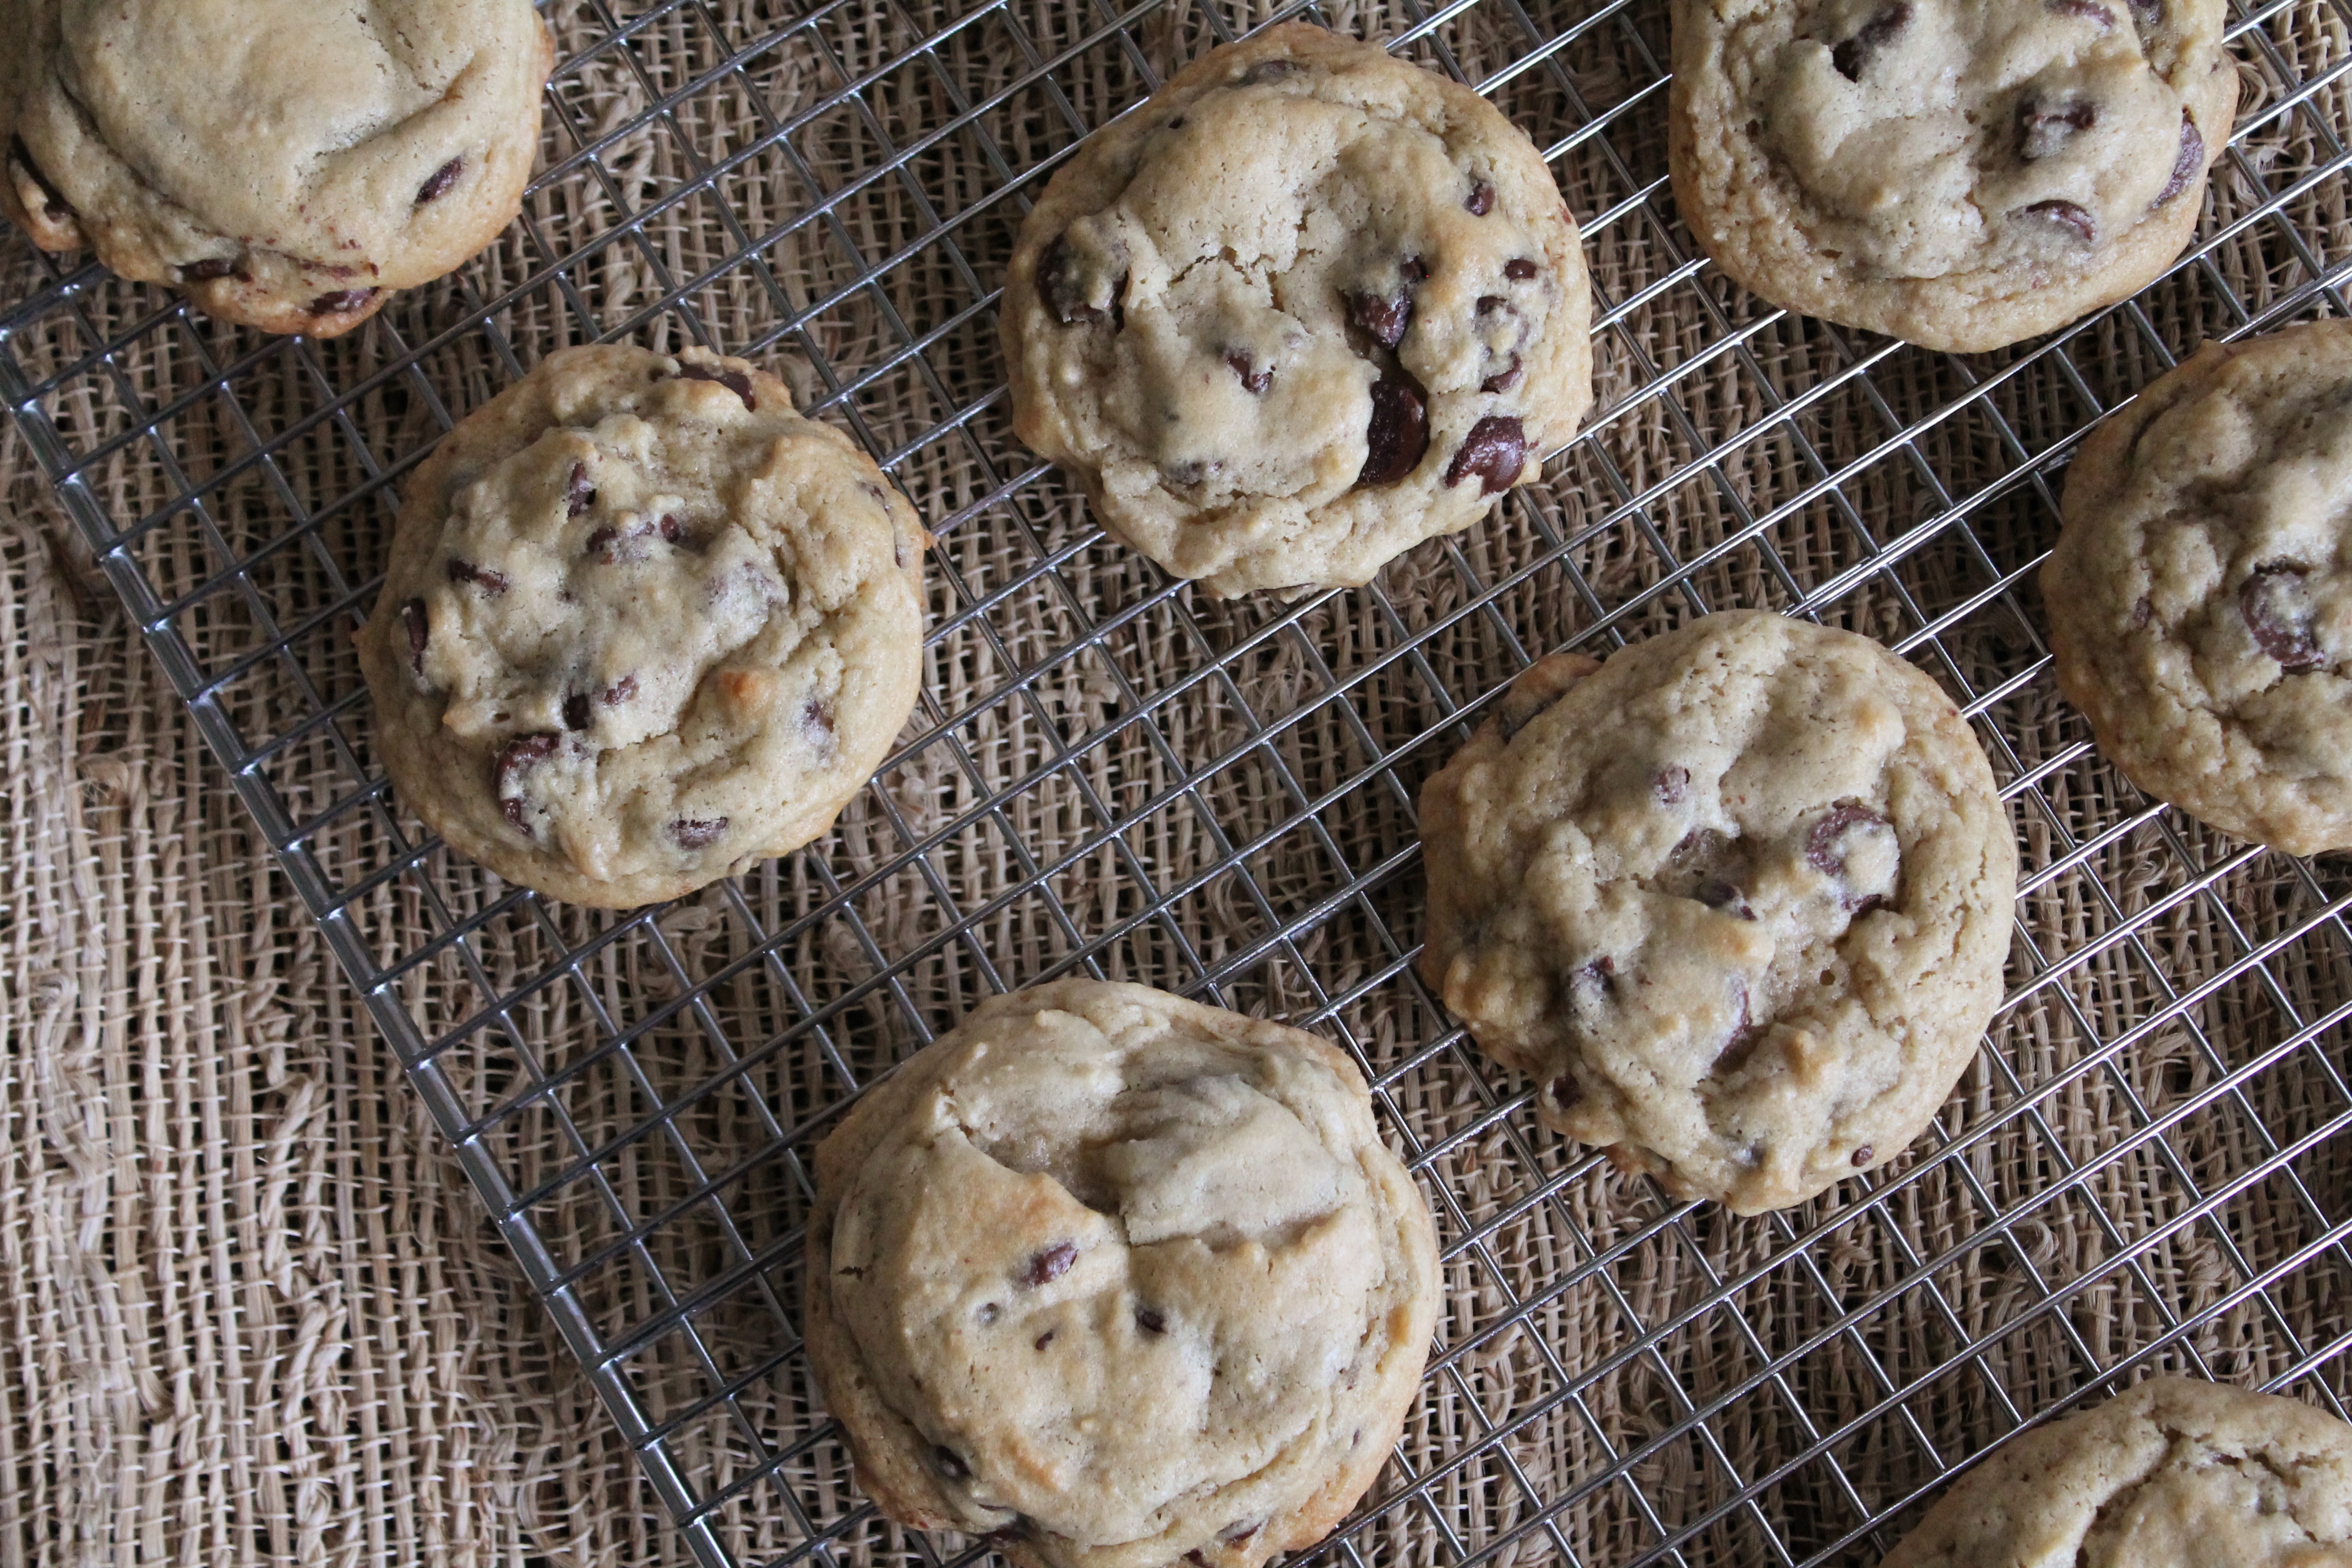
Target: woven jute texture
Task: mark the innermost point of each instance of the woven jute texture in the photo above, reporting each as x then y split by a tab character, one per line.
254	1313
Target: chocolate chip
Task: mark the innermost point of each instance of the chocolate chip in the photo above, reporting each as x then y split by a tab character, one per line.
1862	1156
1565	1092
1722	894
53	202
1821	844
671	529
622	691
2045	125
434	189
734	381
1518	269
412	615
1385	317
1490	303
1149	1322
2189	165
1672	783
576	712
2142	608
519	756
951	1463
1177	123
2090	11
579	495
698	832
989	1312
1064	293
2276	604
1741	1043
1046	1339
341	301
2085	228
1481	200
1495	450
1051	1264
1257	382
488	581
1504	379
1852	54
207	269
1397	435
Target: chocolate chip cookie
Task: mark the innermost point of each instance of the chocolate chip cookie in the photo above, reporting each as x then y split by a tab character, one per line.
1306	307
1737	900
643	626
1119	1280
2172	1473
285	164
2200	594
1961	174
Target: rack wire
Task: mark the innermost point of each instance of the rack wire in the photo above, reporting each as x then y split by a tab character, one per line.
1111	774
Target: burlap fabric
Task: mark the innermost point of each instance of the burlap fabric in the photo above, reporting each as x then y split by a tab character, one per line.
255	1314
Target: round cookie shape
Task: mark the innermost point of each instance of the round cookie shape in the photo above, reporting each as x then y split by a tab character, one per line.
642	625
2200	594
2171	1473
1960	173
1306	307
286	163
1118	1280
1737	900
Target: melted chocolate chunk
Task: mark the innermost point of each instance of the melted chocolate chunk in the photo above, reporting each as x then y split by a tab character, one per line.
520	755
1397	435
951	1463
412	616
2090	11
1051	1264
1064	293
341	301
1722	894
2188	165
1149	1322
2066	215
488	581
1852	56
622	691
1745	1036
1044	1339
1565	1092
205	270
1481	200
1518	269
734	381
1863	1156
2276	604
1488	304
579	495
434	189
2044	126
1495	450
1504	379
577	712
1821	844
1258	382
698	832
1672	783
1385	319
670	529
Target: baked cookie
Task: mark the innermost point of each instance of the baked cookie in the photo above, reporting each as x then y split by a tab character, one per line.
1961	174
1306	308
2171	1473
1118	1280
642	625
285	163
1737	900
2201	595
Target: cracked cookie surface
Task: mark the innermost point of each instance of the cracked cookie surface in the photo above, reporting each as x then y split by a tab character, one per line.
286	163
2200	594
1737	900
1306	307
1961	174
642	625
2171	1473
1119	1280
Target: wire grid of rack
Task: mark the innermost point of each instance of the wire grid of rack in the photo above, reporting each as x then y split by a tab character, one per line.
1110	774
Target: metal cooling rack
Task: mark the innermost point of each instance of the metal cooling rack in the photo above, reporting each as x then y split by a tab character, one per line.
1109	774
